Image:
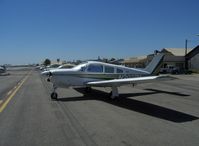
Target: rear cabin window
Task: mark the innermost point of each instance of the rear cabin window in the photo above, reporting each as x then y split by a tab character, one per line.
109	69
119	70
95	68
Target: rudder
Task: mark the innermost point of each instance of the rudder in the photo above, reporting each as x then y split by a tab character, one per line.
154	66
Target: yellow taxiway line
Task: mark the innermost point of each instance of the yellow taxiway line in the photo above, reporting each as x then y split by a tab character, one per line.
11	94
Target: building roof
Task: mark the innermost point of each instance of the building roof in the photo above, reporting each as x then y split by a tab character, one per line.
193	52
176	51
135	59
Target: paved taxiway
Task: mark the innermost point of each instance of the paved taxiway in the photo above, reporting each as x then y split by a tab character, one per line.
150	114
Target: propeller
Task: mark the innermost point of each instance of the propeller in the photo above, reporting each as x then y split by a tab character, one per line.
49	76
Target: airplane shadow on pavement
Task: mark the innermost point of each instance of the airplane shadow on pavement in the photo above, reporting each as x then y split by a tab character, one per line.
136	105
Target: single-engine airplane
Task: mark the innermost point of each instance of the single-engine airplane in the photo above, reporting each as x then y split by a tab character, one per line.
98	74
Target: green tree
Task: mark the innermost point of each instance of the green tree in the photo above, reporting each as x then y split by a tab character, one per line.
47	62
58	60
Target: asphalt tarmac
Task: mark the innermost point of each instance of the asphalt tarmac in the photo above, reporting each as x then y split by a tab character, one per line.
163	113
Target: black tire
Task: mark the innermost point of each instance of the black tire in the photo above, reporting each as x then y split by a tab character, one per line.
48	79
54	95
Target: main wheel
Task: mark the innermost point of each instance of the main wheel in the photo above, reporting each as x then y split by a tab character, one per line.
54	95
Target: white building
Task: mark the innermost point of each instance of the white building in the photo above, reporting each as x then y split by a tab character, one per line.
193	59
174	57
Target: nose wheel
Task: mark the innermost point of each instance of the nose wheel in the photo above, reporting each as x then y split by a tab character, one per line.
54	94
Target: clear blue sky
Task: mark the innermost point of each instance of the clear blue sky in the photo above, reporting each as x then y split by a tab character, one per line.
32	30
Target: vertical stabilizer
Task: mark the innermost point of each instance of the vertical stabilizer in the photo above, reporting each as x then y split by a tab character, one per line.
154	66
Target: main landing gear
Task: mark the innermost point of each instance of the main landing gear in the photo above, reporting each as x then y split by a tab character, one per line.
54	94
114	93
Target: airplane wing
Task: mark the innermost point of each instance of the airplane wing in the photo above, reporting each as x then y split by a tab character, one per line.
136	80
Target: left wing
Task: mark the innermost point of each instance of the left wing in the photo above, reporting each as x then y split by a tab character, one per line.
136	80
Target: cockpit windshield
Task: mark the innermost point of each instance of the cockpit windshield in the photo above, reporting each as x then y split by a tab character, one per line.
80	67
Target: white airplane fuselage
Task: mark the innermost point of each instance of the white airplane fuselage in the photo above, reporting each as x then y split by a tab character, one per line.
92	71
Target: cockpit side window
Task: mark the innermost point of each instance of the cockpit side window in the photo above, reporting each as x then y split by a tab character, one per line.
119	70
95	68
109	69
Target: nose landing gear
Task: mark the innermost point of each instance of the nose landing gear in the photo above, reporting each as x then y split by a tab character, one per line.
54	94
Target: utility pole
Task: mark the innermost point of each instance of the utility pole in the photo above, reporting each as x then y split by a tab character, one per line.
197	35
186	60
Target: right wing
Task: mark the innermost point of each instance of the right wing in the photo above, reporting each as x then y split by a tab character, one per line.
136	80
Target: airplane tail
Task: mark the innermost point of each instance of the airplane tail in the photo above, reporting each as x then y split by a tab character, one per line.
154	66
